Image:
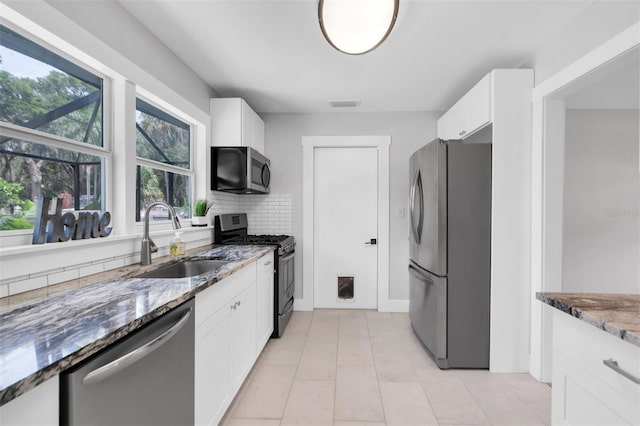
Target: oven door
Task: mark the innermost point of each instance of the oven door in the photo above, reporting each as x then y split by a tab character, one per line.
286	280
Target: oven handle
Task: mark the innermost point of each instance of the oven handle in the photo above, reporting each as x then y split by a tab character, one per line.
287	257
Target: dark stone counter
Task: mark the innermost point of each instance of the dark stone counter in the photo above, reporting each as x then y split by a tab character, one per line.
617	314
42	338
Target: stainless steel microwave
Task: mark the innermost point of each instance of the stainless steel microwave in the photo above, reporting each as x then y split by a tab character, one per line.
240	170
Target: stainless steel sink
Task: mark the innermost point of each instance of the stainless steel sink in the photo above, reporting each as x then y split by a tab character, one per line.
185	268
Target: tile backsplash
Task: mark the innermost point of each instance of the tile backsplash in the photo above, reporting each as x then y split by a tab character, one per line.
266	213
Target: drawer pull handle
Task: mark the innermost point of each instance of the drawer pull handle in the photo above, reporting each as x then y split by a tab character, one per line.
613	364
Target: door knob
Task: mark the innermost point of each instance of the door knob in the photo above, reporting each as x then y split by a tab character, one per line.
373	242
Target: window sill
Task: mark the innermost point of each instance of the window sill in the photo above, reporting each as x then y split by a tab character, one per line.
156	230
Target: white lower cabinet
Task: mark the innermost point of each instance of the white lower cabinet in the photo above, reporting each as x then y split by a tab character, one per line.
212	383
230	319
242	340
265	296
585	390
39	406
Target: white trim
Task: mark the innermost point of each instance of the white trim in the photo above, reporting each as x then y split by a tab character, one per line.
36	136
542	278
309	144
395	305
140	161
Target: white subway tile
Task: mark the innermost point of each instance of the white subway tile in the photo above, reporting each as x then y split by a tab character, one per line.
78	266
27	285
114	264
45	273
14	279
132	259
62	276
91	269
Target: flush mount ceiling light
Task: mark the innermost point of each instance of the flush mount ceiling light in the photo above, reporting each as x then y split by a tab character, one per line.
357	26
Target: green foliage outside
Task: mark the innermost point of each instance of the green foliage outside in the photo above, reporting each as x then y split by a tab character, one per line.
23	179
170	146
13	208
27	178
10	223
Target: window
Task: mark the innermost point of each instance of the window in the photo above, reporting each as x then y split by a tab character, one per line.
163	150
51	112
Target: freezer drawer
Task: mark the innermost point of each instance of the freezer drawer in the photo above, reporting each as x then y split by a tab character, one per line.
428	311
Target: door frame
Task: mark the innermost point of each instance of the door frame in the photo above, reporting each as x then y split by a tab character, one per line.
547	169
309	145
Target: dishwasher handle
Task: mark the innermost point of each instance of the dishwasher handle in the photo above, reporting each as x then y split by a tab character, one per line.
136	355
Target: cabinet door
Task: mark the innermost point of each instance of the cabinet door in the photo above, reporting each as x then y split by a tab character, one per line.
476	108
226	121
212	381
450	123
470	114
39	406
265	296
252	129
258	134
243	335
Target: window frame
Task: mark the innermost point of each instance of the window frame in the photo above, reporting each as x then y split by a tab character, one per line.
103	152
122	84
174	114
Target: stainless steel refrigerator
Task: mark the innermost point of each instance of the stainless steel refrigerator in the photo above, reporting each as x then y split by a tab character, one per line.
450	251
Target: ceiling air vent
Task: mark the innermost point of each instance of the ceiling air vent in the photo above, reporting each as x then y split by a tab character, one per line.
344	104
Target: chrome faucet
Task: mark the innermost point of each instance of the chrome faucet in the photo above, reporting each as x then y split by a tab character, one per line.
148	246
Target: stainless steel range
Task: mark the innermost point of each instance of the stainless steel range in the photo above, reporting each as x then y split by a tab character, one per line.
232	229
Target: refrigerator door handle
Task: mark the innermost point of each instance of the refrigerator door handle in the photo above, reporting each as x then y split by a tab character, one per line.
416	187
420	274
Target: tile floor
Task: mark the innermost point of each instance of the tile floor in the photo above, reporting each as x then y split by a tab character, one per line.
364	368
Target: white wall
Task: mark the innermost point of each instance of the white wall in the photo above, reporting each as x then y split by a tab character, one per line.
408	130
602	21
601	244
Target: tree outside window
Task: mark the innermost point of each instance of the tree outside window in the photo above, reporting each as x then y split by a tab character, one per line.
52	134
163	150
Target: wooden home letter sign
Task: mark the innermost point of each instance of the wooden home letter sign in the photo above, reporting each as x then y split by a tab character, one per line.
58	227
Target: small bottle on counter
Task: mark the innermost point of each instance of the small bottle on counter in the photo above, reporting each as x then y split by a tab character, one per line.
177	246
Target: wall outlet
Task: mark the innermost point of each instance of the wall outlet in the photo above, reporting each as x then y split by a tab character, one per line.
400	212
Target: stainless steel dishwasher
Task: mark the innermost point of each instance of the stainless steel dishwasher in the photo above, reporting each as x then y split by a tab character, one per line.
145	379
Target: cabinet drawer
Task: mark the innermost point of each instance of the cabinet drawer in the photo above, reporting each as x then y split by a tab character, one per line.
579	398
587	347
219	294
265	264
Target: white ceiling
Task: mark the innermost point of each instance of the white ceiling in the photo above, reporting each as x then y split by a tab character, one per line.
273	54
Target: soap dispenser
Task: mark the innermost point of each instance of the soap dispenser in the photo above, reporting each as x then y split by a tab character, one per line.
177	247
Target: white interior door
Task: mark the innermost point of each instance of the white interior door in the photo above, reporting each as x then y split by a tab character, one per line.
345	222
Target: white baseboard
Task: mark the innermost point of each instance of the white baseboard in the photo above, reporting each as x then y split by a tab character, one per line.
394	305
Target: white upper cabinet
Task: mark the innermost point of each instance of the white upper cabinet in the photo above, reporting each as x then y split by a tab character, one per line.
234	123
470	114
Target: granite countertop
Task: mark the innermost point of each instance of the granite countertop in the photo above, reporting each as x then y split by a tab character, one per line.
618	314
42	338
